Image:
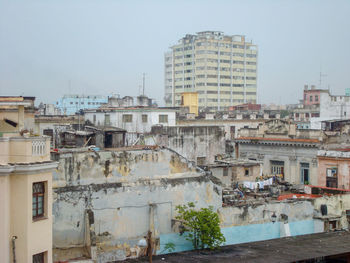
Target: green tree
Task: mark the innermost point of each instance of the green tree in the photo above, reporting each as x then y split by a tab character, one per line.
202	226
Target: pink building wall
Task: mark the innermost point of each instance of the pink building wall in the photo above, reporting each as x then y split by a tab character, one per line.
342	165
310	97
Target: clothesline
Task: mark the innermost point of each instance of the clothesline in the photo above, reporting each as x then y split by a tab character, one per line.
258	184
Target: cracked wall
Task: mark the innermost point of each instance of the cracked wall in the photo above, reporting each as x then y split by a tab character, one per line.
119	188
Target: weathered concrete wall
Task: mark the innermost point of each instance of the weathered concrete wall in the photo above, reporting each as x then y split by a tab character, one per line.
120	188
336	207
253	223
260	214
197	142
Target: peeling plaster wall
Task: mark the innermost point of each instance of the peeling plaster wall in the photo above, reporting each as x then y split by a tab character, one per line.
192	142
336	206
253	223
260	214
119	188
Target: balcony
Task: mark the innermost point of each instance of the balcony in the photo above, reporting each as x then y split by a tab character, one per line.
31	149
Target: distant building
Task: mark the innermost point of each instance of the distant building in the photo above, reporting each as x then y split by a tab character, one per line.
283	150
319	105
70	104
134	120
135	117
347	92
232	171
48	109
25	186
190	100
246	107
221	68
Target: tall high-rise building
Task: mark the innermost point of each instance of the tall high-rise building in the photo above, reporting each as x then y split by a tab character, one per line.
221	69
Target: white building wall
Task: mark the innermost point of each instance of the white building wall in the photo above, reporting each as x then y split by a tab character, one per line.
136	126
331	108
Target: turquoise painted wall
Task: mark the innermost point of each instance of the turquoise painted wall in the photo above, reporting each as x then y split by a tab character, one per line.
241	234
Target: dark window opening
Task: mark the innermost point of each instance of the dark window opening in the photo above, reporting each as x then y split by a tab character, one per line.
39	258
304	173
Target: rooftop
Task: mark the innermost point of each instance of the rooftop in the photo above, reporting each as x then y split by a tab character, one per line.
289	249
278	139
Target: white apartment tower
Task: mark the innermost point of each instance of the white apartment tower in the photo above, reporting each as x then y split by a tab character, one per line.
221	69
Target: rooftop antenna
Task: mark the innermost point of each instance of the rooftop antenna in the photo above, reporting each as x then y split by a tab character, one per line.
321	75
143	84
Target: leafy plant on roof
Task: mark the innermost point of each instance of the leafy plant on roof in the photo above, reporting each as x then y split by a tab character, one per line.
202	227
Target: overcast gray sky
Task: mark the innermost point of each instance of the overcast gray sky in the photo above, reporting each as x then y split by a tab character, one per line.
50	48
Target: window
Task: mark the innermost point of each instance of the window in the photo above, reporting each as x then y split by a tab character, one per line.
200	160
71	102
39	258
38	199
144	118
127	117
225	171
316	98
277	167
246	171
107	119
304	173
163	118
310	98
331	177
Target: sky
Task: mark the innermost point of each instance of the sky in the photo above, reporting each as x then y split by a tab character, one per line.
50	48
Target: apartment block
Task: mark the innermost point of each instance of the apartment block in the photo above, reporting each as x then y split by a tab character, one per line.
222	69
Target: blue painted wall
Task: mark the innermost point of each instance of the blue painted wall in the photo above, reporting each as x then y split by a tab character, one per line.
241	234
70	104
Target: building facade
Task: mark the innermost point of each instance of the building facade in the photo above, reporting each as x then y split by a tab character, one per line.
334	167
133	119
282	149
25	190
70	104
320	105
221	68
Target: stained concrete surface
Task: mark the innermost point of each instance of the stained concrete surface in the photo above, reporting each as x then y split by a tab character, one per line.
281	250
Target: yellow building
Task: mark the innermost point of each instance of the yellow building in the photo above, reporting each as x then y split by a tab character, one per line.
25	188
190	100
221	69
